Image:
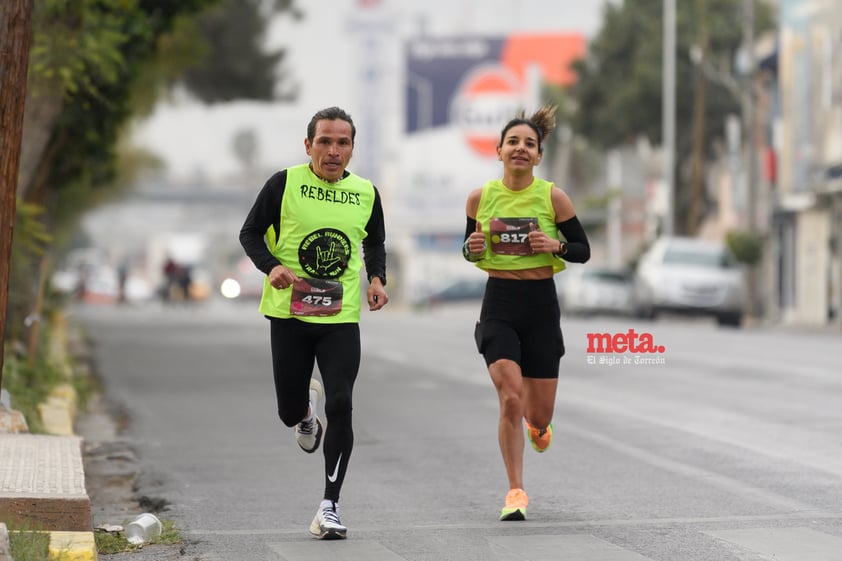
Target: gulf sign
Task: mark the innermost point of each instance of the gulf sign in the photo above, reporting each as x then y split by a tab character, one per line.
484	102
476	84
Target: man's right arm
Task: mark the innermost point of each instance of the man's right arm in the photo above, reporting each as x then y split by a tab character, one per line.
265	213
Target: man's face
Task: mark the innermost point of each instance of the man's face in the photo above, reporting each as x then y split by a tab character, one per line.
331	148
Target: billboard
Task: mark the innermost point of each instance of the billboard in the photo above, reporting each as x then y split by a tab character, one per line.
459	93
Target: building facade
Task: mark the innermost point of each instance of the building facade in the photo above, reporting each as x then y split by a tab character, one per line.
806	137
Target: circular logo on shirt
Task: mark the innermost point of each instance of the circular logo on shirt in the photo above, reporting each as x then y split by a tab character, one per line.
324	253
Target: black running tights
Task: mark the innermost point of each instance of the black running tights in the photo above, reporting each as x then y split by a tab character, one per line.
296	347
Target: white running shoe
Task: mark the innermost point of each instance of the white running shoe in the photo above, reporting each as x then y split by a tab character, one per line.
308	434
326	524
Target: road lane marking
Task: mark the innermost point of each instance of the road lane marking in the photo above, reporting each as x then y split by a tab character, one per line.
494	527
775	440
571	546
348	550
784	369
708	477
785	544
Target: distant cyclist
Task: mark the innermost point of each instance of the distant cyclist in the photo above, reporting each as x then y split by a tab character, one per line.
304	232
512	233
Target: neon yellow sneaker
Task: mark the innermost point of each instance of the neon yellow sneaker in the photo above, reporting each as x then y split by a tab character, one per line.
539	438
516	502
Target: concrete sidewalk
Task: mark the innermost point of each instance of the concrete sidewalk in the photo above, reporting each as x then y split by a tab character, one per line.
42	476
42	483
42	487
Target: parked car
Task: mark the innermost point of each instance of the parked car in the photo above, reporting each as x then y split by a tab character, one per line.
594	289
690	276
462	290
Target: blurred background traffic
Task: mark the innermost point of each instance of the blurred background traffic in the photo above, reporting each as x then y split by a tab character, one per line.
701	143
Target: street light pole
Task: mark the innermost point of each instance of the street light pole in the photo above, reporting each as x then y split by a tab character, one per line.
748	114
668	113
750	144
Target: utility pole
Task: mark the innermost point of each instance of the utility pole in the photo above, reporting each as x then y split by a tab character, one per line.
750	140
15	34
748	114
668	114
697	167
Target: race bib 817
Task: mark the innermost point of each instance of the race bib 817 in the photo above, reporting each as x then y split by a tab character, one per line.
510	236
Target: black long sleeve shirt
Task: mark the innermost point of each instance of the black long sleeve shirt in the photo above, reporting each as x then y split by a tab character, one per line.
266	212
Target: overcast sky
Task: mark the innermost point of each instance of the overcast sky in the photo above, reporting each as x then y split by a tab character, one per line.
195	140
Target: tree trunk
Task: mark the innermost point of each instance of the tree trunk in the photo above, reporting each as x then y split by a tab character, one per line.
697	169
15	36
42	111
697	166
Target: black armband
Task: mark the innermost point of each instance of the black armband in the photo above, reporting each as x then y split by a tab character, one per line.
576	247
470	228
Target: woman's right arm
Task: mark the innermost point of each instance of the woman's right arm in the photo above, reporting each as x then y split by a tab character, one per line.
473	248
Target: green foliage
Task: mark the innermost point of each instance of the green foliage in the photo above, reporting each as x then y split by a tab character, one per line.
110	60
619	92
109	543
236	65
29	244
29	384
80	46
30	379
176	51
116	542
31	234
746	246
77	45
27	545
93	52
619	89
584	164
557	96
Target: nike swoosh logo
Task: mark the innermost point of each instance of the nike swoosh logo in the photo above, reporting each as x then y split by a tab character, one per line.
332	477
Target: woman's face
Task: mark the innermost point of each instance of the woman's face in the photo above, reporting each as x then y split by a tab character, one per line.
519	151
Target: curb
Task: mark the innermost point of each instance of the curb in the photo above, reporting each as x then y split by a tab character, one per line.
73	546
64	546
57	415
58	412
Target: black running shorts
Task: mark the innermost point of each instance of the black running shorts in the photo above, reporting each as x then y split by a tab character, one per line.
520	321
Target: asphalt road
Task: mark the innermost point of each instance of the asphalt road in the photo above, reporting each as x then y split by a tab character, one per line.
723	447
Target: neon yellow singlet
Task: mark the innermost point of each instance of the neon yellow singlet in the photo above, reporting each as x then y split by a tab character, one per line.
322	227
507	217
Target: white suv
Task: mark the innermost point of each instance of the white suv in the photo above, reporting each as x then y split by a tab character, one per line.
690	276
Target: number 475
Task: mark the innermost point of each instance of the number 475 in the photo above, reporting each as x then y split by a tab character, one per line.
318	300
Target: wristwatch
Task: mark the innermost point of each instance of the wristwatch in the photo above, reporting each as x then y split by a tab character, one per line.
562	249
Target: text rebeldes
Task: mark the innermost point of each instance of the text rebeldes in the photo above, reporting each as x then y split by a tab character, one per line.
317	193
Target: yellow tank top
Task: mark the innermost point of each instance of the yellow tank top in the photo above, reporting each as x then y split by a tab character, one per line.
322	227
507	217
